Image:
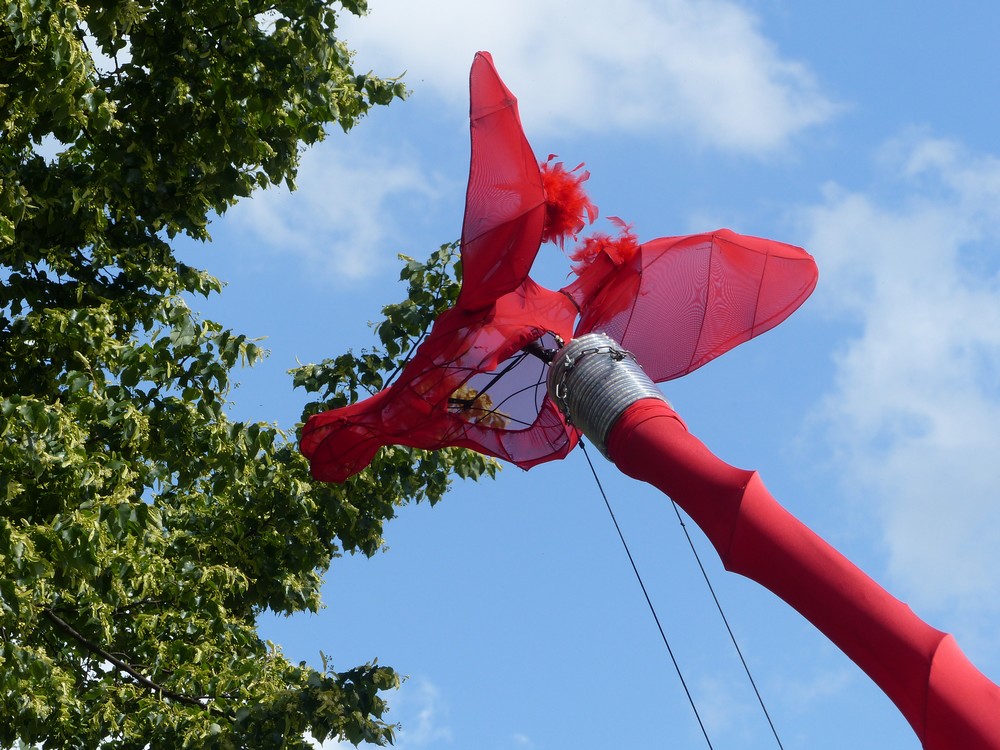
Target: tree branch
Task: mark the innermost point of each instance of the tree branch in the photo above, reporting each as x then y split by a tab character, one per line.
122	666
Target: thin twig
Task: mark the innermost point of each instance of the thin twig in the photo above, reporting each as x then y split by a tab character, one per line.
123	666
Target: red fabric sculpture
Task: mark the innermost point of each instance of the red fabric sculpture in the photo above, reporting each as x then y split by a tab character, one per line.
674	302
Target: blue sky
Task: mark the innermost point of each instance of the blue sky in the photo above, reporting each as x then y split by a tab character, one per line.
865	132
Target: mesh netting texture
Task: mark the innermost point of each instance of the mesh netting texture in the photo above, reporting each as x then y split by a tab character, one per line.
675	302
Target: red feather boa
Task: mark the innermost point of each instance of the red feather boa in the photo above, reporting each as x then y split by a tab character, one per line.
566	203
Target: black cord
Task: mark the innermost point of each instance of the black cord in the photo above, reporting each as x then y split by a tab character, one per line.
649	602
725	620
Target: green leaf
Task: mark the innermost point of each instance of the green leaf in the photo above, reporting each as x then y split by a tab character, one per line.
142	530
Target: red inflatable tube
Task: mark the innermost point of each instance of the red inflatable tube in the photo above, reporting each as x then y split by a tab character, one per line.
947	701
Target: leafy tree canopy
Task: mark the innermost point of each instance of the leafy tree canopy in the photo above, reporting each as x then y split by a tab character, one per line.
141	530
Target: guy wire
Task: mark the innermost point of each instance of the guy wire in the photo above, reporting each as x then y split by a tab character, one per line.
725	620
649	601
715	598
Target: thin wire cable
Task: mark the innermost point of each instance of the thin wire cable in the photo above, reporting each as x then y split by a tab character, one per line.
725	620
649	601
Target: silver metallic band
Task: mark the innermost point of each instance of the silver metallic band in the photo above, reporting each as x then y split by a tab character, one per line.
593	380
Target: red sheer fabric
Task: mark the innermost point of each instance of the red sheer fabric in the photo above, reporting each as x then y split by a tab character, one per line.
505	202
446	396
947	701
676	303
682	301
441	397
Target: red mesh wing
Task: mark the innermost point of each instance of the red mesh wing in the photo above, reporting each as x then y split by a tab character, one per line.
505	203
468	385
683	301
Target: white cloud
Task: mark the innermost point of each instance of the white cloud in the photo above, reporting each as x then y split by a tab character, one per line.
915	413
701	69
422	714
426	715
723	708
805	691
337	220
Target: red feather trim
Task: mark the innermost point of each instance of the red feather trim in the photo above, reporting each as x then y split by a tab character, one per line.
566	203
619	250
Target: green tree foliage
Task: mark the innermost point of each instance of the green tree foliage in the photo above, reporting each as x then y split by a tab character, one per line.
141	530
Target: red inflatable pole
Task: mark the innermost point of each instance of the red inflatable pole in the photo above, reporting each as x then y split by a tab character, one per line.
948	702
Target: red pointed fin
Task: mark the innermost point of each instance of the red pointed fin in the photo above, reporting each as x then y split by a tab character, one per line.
505	202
